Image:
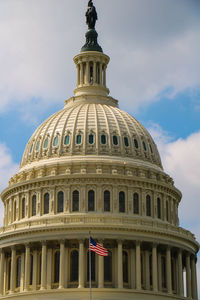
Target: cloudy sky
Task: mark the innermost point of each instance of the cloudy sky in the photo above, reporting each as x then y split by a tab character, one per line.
154	72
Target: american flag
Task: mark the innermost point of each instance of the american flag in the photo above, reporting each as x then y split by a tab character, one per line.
97	248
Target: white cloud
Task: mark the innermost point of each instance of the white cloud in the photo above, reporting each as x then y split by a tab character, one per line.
181	160
152	45
7	169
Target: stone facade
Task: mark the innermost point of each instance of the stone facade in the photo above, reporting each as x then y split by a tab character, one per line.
93	167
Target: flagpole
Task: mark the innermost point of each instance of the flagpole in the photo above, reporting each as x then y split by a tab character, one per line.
90	269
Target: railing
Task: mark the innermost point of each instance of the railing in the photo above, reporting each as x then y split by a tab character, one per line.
97	220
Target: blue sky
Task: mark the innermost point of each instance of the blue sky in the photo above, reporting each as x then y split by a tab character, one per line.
154	72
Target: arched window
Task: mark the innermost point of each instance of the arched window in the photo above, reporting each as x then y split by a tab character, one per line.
91	200
60	201
144	146
151	149
103	139
91	139
34	205
46	142
148	206
37	145
115	140
92	266
67	140
9	274
18	277
78	139
106	201
167	211
158	208
55	141
125	266
56	266
126	141
108	267
15	210
31	269
46	203
121	202
135	203
75	201
23	208
136	144
74	266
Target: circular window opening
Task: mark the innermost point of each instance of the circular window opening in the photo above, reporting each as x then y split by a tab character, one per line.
115	140
103	139
126	142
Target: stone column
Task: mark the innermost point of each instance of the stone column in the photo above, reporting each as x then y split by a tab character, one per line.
188	276
13	270
49	268
154	268
194	278
100	72
81	265
2	271
78	74
101	269
81	73
27	269
180	274
169	270
95	72
35	262
159	272
87	75
62	262
22	272
120	266
138	266
132	268
147	271
44	266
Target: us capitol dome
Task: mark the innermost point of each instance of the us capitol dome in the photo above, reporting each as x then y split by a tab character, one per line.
93	167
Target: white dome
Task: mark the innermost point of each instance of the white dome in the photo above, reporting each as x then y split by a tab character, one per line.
93	126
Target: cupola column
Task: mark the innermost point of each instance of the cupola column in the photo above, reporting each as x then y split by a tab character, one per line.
94	72
87	75
138	265
44	266
194	278
180	274
81	264
169	270
13	270
27	268
120	265
188	276
2	271
101	269
78	74
81	73
62	263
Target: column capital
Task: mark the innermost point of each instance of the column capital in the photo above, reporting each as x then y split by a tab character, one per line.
81	241
62	241
155	245
27	245
44	243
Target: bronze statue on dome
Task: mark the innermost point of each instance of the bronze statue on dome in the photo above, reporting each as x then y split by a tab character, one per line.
91	15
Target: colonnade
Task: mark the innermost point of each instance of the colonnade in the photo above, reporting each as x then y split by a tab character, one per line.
149	266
